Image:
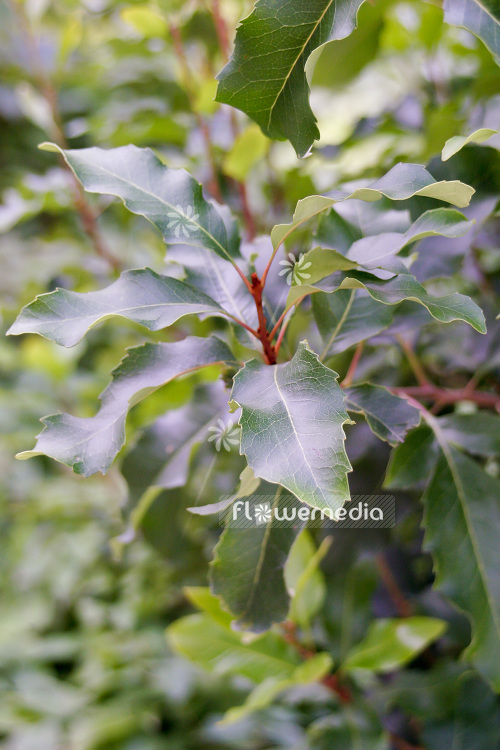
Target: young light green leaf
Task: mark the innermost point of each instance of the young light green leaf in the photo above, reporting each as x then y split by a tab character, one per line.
390	643
142	296
203	599
455	144
389	417
304	579
292	427
266	77
393	291
403	181
219	649
248	484
481	17
90	444
247	569
169	198
312	670
462	513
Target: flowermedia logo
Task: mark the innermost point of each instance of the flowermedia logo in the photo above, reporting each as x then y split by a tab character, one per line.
295	269
364	511
225	435
183	222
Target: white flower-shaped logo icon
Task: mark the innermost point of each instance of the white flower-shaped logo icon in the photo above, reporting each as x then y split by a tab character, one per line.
225	436
182	222
295	269
262	513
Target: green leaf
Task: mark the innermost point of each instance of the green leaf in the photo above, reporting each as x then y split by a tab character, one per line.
224	651
304	579
161	456
247	569
355	726
413	461
203	599
90	444
477	433
390	643
344	321
292	427
481	17
455	144
378	250
389	417
142	296
247	151
207	272
266	76
461	516
312	670
393	291
169	198
403	181
248	484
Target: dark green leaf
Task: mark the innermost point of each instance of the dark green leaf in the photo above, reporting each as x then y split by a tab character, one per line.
477	433
247	569
413	461
161	456
344	321
393	291
461	516
401	182
388	416
266	75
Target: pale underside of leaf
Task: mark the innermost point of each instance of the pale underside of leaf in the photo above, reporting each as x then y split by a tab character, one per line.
141	296
169	198
89	444
403	181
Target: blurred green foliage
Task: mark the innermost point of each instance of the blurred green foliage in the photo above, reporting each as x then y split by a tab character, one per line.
87	587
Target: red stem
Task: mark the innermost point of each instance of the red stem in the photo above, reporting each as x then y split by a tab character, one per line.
353	366
449	396
263	335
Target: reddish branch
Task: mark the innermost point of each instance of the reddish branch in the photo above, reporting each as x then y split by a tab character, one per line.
87	215
446	396
403	607
224	46
263	334
331	681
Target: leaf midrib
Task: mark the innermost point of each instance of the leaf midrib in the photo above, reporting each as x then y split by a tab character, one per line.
301	52
275	374
463	504
160	200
